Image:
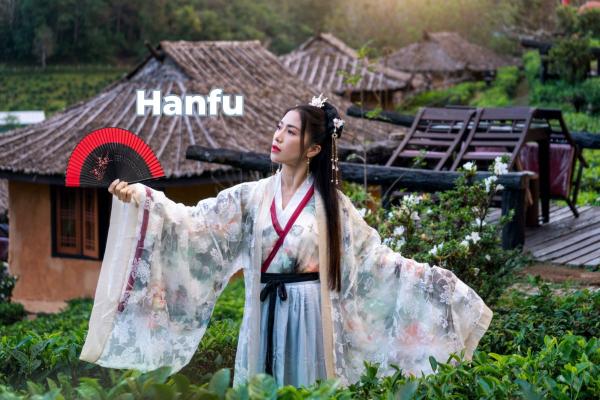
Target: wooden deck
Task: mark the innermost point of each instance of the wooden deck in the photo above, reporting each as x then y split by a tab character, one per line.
565	239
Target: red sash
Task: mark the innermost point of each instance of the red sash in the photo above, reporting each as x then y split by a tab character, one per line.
283	232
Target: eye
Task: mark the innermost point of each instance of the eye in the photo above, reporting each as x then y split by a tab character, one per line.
291	131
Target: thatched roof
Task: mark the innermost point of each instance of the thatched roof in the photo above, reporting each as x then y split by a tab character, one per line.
444	52
317	61
186	68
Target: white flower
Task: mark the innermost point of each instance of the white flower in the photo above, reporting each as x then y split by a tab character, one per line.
475	271
390	215
479	222
411	200
338	123
474	237
414	216
318	101
470	166
435	249
487	257
500	167
399	230
388	241
499	187
465	243
488	182
428	211
362	212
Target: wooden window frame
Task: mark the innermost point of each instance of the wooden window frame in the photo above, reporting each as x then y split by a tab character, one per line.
80	250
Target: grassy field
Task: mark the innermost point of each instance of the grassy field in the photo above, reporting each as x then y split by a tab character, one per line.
54	89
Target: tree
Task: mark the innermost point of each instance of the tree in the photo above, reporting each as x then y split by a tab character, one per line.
43	44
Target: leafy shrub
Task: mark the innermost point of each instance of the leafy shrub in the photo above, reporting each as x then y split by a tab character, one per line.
521	321
478	94
51	344
54	89
459	94
589	23
591	92
563	369
532	63
45	346
217	350
11	313
7	283
570	58
448	229
219	344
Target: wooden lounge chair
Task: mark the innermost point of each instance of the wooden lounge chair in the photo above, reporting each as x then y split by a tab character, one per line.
435	135
511	131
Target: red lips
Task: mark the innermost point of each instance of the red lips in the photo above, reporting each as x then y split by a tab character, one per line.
275	148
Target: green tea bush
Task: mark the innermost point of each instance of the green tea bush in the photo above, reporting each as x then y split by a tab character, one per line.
54	89
45	346
219	344
51	344
522	321
566	368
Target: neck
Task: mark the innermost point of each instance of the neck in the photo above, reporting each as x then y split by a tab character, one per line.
292	177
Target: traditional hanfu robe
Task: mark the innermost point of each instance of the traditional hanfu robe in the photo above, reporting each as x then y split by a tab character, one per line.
165	264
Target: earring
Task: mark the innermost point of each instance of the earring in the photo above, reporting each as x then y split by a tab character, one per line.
308	161
334	158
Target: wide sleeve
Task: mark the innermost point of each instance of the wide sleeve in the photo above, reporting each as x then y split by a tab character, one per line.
397	310
164	266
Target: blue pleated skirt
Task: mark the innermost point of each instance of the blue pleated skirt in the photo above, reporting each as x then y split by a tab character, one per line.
297	347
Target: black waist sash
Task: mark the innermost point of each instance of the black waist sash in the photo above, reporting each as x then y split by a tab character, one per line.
275	284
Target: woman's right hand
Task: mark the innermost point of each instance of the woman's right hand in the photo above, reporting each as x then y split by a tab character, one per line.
124	191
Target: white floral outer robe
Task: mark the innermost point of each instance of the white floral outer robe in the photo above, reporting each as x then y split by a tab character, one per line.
165	264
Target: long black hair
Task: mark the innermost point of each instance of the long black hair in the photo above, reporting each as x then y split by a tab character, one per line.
318	122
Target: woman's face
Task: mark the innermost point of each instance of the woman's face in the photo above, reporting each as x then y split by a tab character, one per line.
285	148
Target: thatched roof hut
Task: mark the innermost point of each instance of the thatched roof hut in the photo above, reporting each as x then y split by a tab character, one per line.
319	60
446	55
58	234
187	68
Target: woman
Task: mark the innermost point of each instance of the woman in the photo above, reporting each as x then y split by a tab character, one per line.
323	294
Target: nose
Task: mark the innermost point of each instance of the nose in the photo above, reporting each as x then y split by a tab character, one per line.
276	136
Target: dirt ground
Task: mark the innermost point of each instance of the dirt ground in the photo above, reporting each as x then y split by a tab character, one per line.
557	275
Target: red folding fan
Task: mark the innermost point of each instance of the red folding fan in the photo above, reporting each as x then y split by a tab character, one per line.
110	153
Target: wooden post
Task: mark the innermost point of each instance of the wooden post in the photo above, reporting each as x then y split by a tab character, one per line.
513	233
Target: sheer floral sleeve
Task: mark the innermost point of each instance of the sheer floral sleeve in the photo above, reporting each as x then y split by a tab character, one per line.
164	267
396	310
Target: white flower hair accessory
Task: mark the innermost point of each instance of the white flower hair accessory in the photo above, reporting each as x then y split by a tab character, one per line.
338	123
318	101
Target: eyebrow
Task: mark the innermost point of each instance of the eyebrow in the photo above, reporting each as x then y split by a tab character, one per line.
291	126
